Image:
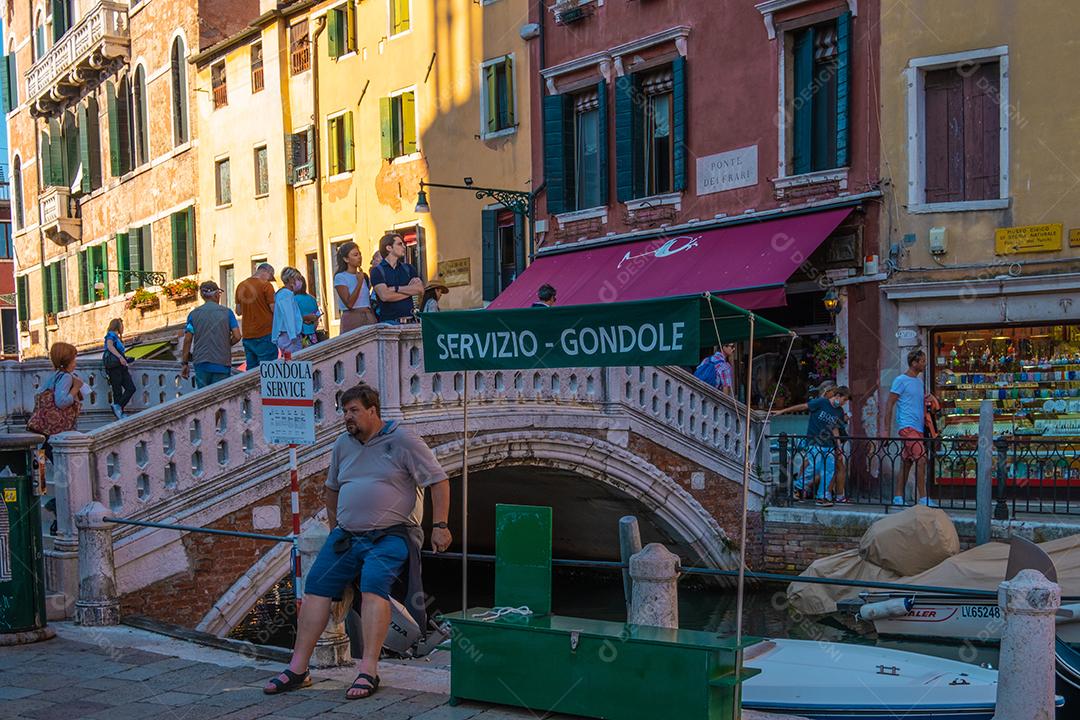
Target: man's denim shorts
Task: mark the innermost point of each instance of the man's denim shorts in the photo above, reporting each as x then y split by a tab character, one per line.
378	564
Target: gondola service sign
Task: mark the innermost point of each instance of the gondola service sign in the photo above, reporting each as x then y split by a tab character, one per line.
288	402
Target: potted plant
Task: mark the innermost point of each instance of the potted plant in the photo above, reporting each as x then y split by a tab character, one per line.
181	290
143	299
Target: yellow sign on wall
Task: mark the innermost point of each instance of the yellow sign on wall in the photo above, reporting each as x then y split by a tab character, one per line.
1074	237
456	273
11	495
1028	239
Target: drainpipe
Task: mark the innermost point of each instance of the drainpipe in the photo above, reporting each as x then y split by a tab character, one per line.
319	255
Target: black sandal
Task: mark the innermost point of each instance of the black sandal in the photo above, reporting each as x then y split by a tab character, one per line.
371	685
294	682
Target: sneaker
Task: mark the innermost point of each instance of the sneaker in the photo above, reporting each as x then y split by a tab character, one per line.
928	502
897	500
117	411
823	502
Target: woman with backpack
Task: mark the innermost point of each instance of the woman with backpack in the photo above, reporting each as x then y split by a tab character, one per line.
353	289
116	367
59	399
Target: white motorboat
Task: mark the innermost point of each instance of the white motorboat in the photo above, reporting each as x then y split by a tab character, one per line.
833	681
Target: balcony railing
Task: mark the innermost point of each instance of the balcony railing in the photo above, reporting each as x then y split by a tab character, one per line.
60	220
93	45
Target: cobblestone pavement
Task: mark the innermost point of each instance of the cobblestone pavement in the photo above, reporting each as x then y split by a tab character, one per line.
110	675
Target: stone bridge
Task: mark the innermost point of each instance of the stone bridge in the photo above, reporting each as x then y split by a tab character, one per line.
594	443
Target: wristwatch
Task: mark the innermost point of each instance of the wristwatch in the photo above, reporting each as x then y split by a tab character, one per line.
440	525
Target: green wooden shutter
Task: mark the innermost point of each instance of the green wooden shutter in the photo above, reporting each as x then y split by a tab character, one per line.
802	101
843	80
290	165
123	263
386	126
558	131
84	149
102	263
489	226
629	160
22	290
312	164
46	289
13	82
93	132
114	129
192	244
602	138
84	275
334	33
5	86
678	122
61	21
135	255
508	64
349	148
179	246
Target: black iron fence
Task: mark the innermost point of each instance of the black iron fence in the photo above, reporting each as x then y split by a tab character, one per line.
1037	475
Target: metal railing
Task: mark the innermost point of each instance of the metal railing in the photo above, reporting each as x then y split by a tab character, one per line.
1040	476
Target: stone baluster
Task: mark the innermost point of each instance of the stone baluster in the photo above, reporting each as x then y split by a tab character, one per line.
654	573
72	487
332	648
98	604
1025	689
387	372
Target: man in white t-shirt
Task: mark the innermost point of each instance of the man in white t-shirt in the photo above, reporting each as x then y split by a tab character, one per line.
907	396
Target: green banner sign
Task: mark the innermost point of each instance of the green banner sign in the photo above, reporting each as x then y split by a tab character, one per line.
648	332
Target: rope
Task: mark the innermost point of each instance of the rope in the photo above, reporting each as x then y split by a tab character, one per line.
497	612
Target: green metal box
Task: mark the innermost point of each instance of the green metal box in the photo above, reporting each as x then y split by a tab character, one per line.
22	559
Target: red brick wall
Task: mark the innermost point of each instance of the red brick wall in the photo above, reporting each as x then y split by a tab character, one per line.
791	547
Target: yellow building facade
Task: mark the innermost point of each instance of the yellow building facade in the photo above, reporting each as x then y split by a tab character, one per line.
433	90
981	223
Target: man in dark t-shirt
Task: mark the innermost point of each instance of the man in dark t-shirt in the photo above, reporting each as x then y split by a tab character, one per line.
826	418
395	281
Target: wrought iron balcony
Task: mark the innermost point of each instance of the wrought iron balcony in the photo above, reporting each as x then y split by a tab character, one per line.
60	219
93	46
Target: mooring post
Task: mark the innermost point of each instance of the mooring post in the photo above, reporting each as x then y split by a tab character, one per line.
98	604
332	648
655	600
1025	689
984	474
629	545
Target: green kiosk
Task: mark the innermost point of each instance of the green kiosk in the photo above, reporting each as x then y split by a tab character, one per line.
550	663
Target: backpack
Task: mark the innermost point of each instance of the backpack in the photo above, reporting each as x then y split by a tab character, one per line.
706	371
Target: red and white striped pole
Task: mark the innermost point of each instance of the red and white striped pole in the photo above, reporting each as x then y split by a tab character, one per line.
294	482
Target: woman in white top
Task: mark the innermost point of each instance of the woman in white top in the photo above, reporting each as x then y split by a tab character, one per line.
353	289
432	293
288	327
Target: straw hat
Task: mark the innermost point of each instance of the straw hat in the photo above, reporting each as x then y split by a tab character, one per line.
436	284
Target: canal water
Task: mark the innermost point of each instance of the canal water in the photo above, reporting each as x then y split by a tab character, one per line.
598	594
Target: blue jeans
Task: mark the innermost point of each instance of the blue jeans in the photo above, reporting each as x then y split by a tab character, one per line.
820	463
260	349
204	378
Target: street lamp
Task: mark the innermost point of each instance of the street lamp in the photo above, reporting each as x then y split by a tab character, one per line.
831	300
520	202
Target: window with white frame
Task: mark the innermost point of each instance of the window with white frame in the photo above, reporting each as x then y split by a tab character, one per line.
958	116
497	100
397	120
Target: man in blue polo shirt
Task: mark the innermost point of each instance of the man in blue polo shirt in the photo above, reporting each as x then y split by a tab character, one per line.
395	281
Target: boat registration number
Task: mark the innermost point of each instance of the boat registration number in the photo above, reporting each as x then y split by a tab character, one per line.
980	611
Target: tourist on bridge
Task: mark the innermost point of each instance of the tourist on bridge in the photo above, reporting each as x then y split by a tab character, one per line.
255	306
433	291
210	333
545	296
59	399
352	289
288	324
310	313
374	504
907	397
395	281
116	367
716	370
823	446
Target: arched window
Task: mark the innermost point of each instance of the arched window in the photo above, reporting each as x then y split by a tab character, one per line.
139	118
179	93
39	36
17	193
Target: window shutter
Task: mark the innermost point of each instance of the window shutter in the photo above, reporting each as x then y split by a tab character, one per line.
678	122
23	299
802	103
602	139
629	161
179	245
103	263
93	131
508	64
84	149
114	129
332	141
123	262
350	26
124	130
60	285
519	244
491	121
982	139
146	249
386	126
71	158
5	86
47	289
333	33
192	241
135	254
13	83
84	274
408	123
56	154
349	149
489	225
843	84
312	154
944	122
557	163
60	18
290	160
